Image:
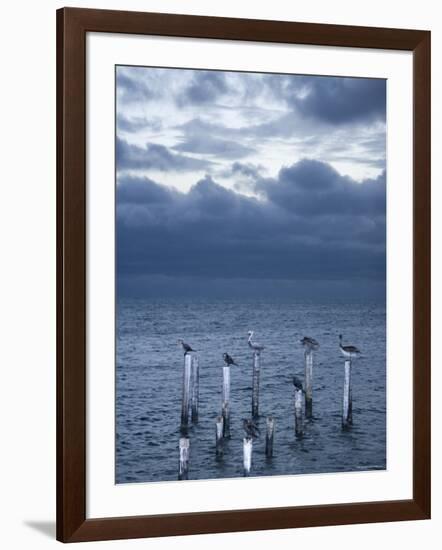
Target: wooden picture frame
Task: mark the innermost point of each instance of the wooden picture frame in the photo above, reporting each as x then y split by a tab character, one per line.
72	26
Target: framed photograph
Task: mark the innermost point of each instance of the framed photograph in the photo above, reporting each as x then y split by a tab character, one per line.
243	274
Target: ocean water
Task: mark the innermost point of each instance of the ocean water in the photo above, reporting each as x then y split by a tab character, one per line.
149	374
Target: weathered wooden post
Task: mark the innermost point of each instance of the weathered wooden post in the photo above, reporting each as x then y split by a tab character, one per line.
226	401
195	388
187	377
299	412
308	377
183	472
269	436
347	416
247	455
255	383
219	436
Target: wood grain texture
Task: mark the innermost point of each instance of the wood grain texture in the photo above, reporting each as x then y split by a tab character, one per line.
422	274
71	266
72	26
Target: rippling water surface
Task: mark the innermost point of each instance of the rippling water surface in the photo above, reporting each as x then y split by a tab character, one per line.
149	385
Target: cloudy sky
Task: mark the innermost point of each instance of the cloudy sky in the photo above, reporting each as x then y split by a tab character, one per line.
232	184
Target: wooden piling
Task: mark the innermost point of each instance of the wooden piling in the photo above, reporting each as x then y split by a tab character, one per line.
247	455
299	412
347	405
187	378
226	401
195	385
183	472
255	384
308	377
269	436
219	436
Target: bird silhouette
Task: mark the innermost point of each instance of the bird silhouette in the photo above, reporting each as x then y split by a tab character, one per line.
185	346
348	351
250	428
254	345
297	383
309	343
229	360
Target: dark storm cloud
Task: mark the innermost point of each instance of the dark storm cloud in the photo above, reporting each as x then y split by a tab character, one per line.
204	144
311	107
154	156
330	100
144	192
206	86
342	100
333	100
327	101
214	232
131	88
310	187
248	170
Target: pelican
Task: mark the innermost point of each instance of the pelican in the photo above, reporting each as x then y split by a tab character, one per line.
309	344
297	383
254	345
250	428
350	352
185	346
229	360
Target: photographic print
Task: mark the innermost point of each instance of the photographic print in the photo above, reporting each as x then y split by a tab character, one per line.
250	274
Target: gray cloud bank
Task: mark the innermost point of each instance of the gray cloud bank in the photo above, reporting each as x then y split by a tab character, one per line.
249	226
154	156
310	224
335	100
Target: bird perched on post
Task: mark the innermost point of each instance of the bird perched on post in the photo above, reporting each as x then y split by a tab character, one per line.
350	352
250	428
254	345
185	346
309	343
297	383
229	360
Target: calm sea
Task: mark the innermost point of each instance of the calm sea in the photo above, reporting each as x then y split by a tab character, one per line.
149	387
